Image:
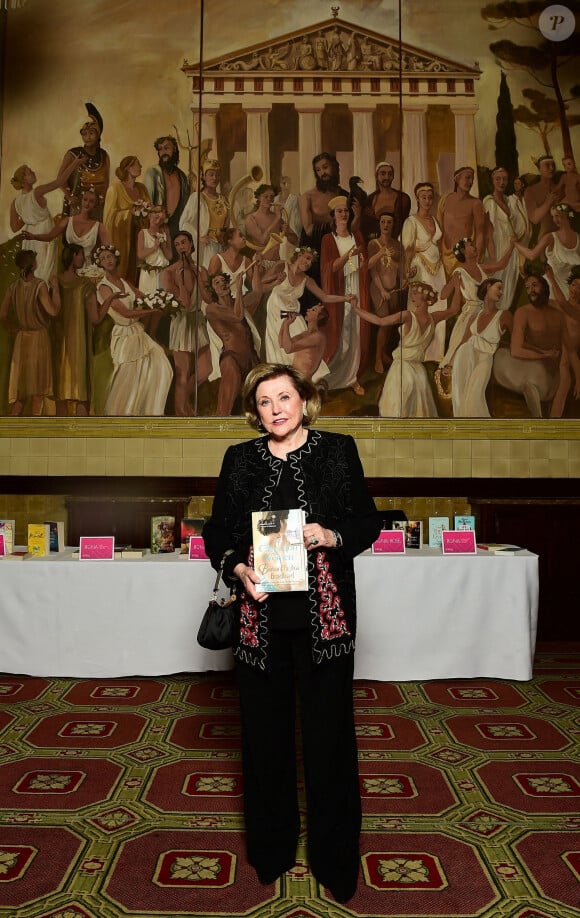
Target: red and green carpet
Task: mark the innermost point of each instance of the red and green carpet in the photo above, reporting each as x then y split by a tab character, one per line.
124	798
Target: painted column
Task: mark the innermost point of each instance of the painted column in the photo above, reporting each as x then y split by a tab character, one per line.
415	165
309	142
258	140
208	129
363	146
465	151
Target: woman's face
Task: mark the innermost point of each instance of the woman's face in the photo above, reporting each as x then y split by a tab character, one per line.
279	406
387	224
559	217
211	178
108	261
470	250
157	218
425	198
575	291
266	199
304	261
78	259
500	180
135	168
417	297
89	201
341	214
495	291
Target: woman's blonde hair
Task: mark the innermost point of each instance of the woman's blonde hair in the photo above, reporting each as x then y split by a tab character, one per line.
303	385
17	180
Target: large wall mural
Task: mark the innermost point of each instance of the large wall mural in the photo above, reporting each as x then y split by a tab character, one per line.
382	194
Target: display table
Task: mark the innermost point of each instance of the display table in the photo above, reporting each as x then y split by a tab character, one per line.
420	616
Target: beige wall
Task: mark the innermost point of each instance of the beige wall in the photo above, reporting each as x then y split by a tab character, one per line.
406	449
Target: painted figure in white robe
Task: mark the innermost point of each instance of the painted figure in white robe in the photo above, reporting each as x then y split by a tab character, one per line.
407	392
421	237
474	358
506	221
29	212
141	372
561	248
79	229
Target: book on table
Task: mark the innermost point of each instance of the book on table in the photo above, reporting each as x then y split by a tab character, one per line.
500	548
38	539
56	534
464	521
8	530
437	525
413	530
190	526
279	552
162	534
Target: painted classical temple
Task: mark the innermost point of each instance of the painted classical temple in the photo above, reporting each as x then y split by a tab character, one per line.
340	87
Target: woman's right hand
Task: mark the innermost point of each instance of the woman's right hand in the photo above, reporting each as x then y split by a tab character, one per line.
249	578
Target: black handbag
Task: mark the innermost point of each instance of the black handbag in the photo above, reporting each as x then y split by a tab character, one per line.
219	624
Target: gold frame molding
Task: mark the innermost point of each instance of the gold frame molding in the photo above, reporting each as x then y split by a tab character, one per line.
237	428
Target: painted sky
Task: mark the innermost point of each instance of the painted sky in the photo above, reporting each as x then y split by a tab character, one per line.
126	56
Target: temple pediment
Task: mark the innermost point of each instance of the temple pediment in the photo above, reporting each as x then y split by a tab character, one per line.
334	47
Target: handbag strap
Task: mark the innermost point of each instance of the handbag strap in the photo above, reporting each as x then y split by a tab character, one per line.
230	551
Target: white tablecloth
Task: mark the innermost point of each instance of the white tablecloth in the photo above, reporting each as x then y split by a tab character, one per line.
420	616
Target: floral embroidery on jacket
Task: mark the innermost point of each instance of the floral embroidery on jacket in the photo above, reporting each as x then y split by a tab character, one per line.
332	617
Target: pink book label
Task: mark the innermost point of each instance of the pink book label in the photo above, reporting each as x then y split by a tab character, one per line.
97	548
2	544
390	541
196	549
458	542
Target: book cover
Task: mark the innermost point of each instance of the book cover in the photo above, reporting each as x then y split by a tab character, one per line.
500	548
190	526
16	556
413	530
279	552
437	524
464	522
38	539
56	534
162	534
8	530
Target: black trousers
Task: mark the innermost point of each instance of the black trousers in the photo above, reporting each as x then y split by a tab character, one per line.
268	712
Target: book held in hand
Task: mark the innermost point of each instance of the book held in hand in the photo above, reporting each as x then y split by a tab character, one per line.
413	530
38	539
437	524
162	534
279	552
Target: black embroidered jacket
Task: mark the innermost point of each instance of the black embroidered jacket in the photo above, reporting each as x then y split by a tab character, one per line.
332	491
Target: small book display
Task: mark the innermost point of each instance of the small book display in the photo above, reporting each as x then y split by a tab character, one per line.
162	534
500	548
464	522
437	524
279	552
190	526
38	539
8	530
413	530
56	534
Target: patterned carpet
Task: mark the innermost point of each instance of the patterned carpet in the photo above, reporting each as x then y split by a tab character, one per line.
123	798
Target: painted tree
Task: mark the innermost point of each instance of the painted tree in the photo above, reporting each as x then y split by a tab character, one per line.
552	64
506	151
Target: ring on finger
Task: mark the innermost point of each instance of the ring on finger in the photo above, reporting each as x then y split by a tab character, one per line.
314	541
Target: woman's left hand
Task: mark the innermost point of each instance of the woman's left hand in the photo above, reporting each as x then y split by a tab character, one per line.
315	537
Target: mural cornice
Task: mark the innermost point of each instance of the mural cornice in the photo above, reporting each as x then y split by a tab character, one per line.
236	428
384	55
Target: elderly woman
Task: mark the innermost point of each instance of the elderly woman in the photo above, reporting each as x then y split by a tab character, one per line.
141	372
119	215
344	271
301	641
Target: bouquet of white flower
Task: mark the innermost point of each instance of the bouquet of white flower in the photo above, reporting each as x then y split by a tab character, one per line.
161	299
142	208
